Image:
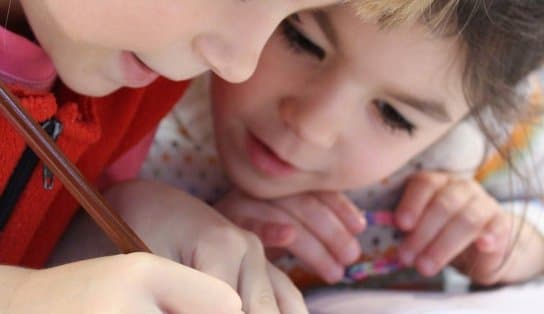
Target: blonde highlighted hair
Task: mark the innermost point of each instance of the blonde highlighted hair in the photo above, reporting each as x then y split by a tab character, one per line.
393	12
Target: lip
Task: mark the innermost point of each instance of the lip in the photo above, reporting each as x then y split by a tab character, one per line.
265	160
136	73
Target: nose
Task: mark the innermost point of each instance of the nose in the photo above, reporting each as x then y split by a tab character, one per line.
233	61
318	122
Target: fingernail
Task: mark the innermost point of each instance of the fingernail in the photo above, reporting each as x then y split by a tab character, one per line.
352	252
286	233
335	274
406	256
360	225
427	266
487	242
406	221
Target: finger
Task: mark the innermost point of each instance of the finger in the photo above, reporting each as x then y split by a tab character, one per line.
324	225
207	258
289	298
169	282
351	216
487	266
255	286
446	203
271	234
457	235
312	253
271	224
419	190
496	235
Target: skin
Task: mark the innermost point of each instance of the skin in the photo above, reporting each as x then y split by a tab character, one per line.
85	39
325	125
328	123
88	42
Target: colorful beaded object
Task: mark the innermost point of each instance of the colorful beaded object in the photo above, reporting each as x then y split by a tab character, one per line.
380	266
379	244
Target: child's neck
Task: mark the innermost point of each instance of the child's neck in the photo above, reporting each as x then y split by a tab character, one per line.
13	18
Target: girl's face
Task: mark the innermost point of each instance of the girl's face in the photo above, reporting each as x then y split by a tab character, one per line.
99	46
336	103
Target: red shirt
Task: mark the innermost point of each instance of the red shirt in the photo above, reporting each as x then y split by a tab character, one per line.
96	132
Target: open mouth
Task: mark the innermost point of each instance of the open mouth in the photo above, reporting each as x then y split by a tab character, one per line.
265	159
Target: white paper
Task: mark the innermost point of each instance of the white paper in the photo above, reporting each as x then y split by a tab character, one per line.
525	299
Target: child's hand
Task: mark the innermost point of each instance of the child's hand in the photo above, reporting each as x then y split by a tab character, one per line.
451	219
318	228
133	283
183	229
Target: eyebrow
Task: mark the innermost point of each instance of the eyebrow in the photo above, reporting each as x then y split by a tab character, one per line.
323	20
431	108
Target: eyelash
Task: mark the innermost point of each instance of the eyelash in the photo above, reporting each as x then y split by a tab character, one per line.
299	43
394	119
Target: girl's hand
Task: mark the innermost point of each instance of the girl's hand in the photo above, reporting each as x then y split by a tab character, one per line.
449	219
133	283
183	229
318	228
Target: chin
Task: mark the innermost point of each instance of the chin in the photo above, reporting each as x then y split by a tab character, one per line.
258	188
93	90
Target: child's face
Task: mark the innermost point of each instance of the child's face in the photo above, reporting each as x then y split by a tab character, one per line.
96	44
340	107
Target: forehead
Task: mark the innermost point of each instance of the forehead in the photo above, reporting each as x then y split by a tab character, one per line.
409	58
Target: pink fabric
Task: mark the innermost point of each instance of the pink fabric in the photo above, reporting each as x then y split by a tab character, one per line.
24	62
127	166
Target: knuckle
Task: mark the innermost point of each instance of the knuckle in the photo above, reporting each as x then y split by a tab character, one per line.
266	297
471	219
137	264
445	205
430	179
231	239
263	301
450	200
253	241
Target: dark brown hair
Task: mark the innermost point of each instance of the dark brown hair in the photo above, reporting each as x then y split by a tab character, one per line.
503	42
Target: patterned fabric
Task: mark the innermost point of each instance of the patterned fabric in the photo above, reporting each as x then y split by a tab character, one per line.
183	154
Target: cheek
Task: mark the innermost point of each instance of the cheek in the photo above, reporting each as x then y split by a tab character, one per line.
141	25
226	100
87	72
360	165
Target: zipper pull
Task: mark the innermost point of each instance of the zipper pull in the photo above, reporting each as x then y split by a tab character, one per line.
53	127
